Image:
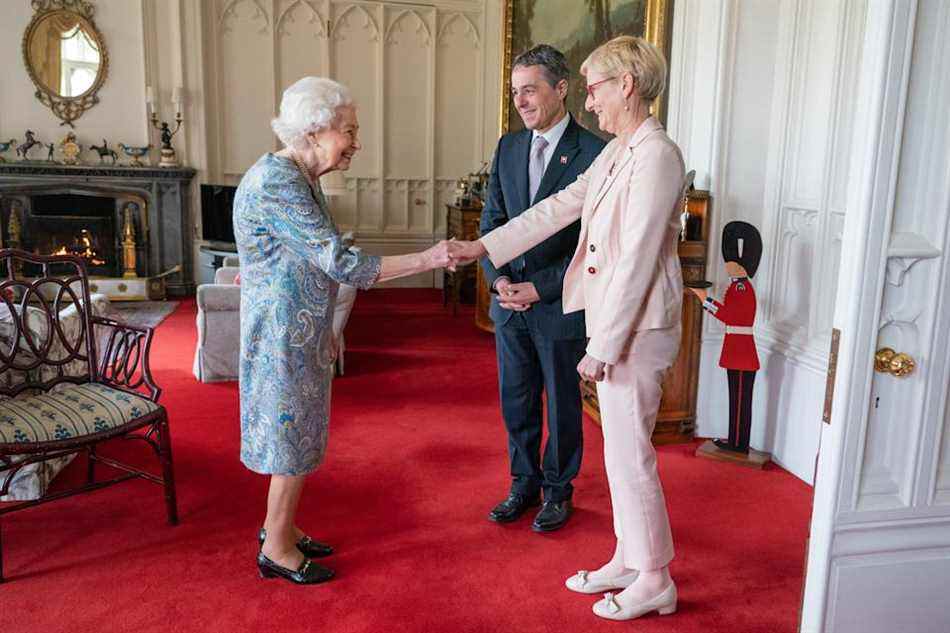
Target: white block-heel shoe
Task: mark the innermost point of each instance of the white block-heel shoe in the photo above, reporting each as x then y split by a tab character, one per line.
581	583
609	608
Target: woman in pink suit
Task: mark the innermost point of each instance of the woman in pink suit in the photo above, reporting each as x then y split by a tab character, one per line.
626	275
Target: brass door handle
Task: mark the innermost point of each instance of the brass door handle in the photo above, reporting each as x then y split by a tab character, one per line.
899	364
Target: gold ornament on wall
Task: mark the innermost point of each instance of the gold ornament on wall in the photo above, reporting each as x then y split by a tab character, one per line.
65	57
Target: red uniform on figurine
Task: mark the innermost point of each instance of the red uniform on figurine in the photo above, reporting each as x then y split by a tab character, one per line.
742	250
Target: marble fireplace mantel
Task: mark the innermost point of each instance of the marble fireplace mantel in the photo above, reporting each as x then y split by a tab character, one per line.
165	192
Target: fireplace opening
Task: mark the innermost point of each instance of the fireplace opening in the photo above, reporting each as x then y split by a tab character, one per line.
70	224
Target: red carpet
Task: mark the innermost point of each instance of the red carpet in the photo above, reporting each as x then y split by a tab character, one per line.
417	457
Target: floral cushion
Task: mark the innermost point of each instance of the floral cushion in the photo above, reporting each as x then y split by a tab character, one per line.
75	411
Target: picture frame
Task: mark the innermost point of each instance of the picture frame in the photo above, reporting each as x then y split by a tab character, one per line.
577	27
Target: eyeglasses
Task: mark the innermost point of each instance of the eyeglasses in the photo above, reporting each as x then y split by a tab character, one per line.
590	87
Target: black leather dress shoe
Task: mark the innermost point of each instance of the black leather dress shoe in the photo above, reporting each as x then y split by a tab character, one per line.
726	446
513	507
553	516
309	573
307	546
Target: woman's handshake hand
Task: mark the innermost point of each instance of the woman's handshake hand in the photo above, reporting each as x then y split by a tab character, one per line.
451	253
466	252
438	256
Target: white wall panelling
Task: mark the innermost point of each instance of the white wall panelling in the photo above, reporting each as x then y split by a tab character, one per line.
763	108
418	73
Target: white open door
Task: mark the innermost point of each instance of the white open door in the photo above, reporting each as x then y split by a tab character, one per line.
879	556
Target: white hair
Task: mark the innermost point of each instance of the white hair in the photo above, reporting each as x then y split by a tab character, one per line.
309	105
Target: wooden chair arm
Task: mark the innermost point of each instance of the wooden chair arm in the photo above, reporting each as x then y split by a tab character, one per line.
124	361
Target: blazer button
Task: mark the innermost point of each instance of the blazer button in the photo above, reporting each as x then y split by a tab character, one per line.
592	270
592	248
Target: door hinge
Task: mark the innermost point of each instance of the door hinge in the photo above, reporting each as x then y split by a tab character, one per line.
832	370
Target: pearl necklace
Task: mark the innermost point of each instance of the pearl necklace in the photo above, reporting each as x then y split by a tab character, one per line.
301	167
305	173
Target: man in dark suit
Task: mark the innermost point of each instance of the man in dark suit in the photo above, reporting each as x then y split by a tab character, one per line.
538	346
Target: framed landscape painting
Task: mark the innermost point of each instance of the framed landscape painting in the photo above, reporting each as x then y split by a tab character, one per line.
577	27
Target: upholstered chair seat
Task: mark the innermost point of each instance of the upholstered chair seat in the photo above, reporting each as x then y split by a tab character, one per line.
73	412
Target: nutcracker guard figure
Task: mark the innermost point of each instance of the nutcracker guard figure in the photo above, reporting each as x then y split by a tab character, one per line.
742	251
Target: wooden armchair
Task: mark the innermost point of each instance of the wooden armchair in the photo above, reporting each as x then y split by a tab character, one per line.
47	412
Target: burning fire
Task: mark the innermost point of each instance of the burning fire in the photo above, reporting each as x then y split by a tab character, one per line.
83	246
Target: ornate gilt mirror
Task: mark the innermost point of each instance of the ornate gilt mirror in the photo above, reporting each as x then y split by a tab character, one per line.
65	57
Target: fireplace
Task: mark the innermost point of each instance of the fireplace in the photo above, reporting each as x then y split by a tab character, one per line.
106	229
131	225
67	224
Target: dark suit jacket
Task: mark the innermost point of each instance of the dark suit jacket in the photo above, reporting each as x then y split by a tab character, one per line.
544	265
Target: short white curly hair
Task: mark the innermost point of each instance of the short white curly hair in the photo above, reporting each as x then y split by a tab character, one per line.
309	105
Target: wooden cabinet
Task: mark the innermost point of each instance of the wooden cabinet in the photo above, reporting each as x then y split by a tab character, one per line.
461	285
676	419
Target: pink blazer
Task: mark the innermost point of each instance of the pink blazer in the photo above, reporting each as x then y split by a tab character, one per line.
625	272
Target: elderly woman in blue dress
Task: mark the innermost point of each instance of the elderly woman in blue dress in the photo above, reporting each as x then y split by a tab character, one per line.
293	260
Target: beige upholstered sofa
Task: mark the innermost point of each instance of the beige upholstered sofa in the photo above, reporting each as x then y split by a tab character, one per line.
217	355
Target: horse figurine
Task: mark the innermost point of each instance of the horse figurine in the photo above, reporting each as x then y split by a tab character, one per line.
5	147
27	145
104	151
135	153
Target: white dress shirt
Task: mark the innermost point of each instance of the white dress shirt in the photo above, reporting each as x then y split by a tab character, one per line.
553	137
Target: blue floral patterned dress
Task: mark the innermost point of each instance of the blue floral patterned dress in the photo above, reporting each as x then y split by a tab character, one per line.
292	262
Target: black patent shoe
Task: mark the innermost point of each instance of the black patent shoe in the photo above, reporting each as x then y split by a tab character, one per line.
307	546
553	516
309	572
513	507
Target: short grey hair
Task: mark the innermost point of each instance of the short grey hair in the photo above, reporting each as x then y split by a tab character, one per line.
309	105
547	57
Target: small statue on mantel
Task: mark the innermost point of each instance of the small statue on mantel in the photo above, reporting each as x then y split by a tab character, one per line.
70	149
168	156
50	148
30	142
135	153
5	147
104	150
742	251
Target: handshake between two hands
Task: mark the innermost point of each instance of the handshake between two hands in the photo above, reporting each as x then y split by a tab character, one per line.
454	253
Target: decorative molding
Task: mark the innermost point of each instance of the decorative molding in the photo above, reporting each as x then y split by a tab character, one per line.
469	29
84	171
343	20
797	225
315	17
367	184
905	250
229	13
422	28
83	8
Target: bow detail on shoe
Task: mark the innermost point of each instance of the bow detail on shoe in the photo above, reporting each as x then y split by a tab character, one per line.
610	603
582	576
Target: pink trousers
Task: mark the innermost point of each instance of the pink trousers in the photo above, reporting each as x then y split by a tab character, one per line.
629	398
